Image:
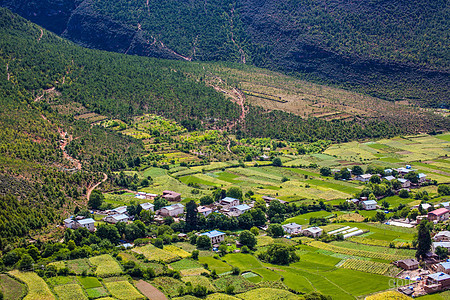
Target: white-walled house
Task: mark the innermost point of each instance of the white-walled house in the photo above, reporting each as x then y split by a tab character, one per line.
240	209
114	219
69	223
292	228
148	206
313	232
172	210
204	210
405	183
369	204
215	236
229	202
364	177
88	223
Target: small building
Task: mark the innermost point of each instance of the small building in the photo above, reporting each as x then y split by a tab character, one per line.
405	183
119	210
446	205
171	196
444	267
387	171
402	171
229	202
407	264
354	201
264	157
292	228
204	210
69	223
88	223
313	232
439	215
369	204
114	219
389	178
422	177
436	282
240	209
172	210
147	206
363	177
442	236
445	245
425	206
268	199
215	236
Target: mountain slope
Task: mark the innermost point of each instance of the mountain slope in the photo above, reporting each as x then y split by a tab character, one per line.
391	49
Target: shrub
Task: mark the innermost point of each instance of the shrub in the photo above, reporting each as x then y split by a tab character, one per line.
203	242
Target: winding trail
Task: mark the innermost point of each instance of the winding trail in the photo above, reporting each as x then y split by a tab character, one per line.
89	191
40	37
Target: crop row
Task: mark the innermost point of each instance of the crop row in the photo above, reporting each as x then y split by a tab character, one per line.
366	266
373	242
354	252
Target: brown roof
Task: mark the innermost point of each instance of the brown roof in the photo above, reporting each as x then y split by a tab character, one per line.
409	262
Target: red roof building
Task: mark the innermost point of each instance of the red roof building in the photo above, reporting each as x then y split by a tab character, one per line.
438	215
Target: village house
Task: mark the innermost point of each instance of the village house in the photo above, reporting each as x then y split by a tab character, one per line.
438	215
445	205
215	236
240	209
147	206
369	204
171	196
313	232
292	228
425	206
389	178
205	211
407	264
403	171
443	267
119	210
436	282
442	236
268	199
229	202
422	177
114	219
405	183
172	210
69	223
363	177
445	245
88	223
387	171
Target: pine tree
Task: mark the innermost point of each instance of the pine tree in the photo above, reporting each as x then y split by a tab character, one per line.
423	239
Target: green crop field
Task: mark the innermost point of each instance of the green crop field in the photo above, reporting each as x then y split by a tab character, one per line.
304	219
239	283
200	281
70	292
215	264
168	285
372	248
37	288
245	262
123	290
177	251
106	265
60	280
185	264
89	282
11	288
155	254
97	292
370	267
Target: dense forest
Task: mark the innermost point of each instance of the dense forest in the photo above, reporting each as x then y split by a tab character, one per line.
389	49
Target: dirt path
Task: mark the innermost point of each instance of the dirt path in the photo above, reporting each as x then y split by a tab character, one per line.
42	33
43	94
89	191
8	76
64	143
150	291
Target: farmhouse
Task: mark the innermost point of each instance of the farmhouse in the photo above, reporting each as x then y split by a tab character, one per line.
436	282
407	264
313	232
445	245
148	206
229	202
442	236
114	219
363	177
446	204
405	183
204	210
119	210
444	267
268	199
389	178
425	206
240	209
369	204
387	171
69	223
172	210
422	177
402	171
86	223
292	228
171	196
440	214
215	236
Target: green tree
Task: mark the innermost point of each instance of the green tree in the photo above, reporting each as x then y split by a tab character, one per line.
276	162
413	177
195	254
96	199
442	252
325	171
247	238
26	262
444	189
275	230
191	216
203	242
423	239
357	170
234	192
403	194
254	230
206	200
159	203
147	216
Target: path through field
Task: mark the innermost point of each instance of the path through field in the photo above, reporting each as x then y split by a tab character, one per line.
150	291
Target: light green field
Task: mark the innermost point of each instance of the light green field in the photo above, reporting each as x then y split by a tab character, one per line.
304	219
245	262
200	281
267	294
106	265
11	288
155	254
70	292
37	288
215	264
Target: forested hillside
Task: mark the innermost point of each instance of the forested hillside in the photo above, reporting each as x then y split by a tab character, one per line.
390	49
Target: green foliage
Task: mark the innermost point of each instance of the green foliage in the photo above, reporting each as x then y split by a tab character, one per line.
96	199
247	238
234	192
444	189
203	242
423	239
275	230
279	254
